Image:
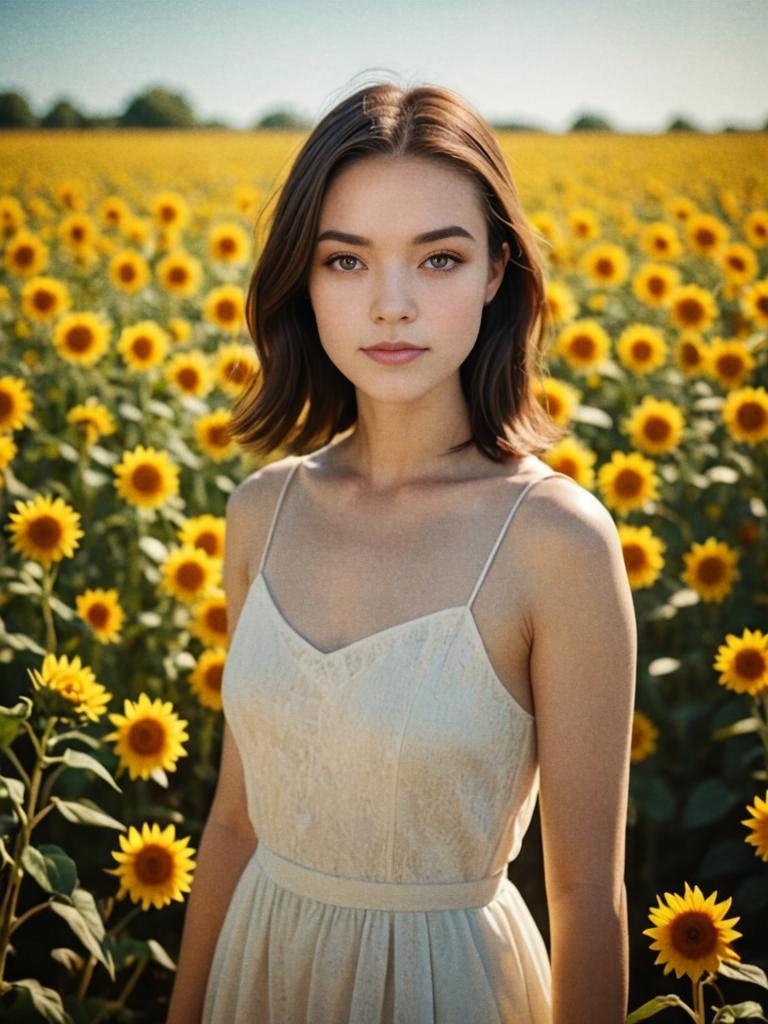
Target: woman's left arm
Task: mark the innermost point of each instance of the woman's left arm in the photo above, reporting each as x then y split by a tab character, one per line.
583	666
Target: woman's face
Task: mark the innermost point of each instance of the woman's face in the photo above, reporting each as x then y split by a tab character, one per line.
386	285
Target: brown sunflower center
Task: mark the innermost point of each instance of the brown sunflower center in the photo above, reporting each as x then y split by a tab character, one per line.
641	350
208	542
583	345
751	415
24	255
77	233
657	428
227	245
737	262
216	618
634	556
762	304
236	372
711	569
661	244
7	405
178	274
45	532
226	310
656	285
142	347
690	354
690	311
605	267
98	615
218	436
153	864
79	338
126	272
213	677
146	478
730	365
749	662
693	934
188	378
43	300
628	483
190	575
146	736
168	213
706	237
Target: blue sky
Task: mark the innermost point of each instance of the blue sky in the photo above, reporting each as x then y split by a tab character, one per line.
637	62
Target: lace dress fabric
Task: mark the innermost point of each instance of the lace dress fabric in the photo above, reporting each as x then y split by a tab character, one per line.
390	783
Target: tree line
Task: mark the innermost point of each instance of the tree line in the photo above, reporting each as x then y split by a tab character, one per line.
160	108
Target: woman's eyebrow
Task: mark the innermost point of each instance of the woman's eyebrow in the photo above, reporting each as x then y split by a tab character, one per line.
429	236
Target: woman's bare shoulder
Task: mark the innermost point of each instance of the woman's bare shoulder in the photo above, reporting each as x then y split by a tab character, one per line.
258	492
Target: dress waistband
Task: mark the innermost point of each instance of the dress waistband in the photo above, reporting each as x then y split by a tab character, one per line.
365	895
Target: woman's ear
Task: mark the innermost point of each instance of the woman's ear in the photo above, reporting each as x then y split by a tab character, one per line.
496	273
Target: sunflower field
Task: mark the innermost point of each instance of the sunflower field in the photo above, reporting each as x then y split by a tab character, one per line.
125	263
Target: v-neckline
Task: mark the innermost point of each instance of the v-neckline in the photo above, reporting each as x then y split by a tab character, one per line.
338	652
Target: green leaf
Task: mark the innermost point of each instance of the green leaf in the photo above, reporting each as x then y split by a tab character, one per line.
739	1011
85	812
11	719
61	609
52	869
14	790
709	801
744	972
160	955
93	743
655	1006
84	920
728	857
73	758
746	725
653	796
46	1001
154	549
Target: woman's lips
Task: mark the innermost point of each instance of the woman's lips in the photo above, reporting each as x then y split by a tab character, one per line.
394	357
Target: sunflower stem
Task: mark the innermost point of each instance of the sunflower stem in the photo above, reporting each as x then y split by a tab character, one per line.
50	628
11	896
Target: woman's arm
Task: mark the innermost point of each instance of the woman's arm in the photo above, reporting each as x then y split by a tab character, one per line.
228	839
583	666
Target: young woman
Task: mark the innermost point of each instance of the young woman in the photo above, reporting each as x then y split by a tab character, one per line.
429	628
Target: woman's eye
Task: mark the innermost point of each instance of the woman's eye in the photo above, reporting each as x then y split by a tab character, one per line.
435	256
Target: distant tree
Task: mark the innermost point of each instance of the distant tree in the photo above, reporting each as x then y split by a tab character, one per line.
590	123
681	124
15	111
158	108
214	123
283	118
515	126
63	114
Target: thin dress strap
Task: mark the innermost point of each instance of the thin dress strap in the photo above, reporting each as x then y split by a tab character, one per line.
503	530
283	489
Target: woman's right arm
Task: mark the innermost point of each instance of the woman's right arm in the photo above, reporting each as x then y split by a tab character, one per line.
228	840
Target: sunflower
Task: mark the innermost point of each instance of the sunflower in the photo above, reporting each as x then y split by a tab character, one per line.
189	373
627	482
247	199
641	348
170	210
743	662
209	620
659	241
143	345
45	529
81	338
605	264
643	554
652	284
179	273
68	690
77	231
189	573
71	193
206	677
745	412
137	230
754	302
235	366
644	736
583	224
100	609
129	271
8	452
179	329
706	234
146	478
44	298
148	737
154	866
680	208
26	254
224	306
204	531
584	344
654	425
730	361
561	302
12	216
738	263
573	458
691	354
758	824
114	211
228	243
756	228
558	398
691	934
710	569
15	403
692	307
212	433
92	419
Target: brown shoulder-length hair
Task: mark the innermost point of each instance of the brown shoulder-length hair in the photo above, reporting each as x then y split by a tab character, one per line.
298	399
